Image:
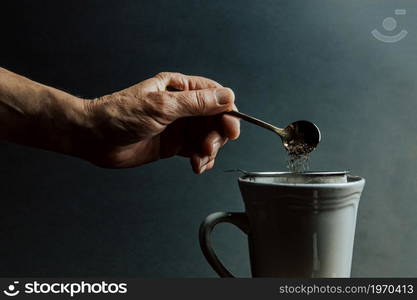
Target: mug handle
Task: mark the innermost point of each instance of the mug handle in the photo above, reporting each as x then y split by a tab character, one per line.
238	219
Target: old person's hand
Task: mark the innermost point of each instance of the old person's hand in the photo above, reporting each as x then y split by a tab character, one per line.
169	114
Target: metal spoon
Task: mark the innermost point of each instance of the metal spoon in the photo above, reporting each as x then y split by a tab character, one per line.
298	138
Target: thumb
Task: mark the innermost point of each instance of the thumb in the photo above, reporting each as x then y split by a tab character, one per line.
205	102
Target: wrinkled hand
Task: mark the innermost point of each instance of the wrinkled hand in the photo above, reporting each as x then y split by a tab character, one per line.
169	114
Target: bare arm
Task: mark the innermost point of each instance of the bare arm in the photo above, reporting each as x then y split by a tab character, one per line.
140	124
41	116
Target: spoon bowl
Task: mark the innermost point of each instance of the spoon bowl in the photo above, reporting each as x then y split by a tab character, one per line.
299	138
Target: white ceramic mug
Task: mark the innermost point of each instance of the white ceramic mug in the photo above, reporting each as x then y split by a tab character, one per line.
298	225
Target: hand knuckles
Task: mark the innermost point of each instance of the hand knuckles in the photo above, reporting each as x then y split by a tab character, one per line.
162	75
158	104
165	75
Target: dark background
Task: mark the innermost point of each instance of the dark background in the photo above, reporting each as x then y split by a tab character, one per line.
285	60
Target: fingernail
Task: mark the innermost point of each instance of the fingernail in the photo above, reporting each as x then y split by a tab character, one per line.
216	147
203	169
224	96
203	162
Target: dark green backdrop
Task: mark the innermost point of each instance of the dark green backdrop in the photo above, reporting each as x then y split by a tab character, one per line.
285	60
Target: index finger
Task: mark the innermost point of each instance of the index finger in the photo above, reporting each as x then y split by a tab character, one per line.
231	125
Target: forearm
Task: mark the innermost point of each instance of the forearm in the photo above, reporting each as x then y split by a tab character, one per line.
129	128
37	115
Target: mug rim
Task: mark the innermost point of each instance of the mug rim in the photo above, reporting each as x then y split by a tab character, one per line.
352	180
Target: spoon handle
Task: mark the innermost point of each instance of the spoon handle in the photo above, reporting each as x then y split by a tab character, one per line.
256	121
